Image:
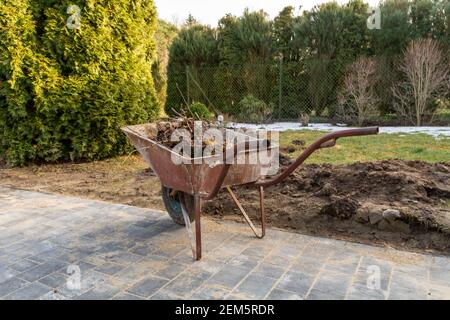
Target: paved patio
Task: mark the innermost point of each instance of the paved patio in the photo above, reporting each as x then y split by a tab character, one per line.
57	247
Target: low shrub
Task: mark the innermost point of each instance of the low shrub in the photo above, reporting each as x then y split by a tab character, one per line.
254	110
199	111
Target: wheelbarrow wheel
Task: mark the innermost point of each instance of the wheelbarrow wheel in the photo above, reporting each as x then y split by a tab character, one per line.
172	203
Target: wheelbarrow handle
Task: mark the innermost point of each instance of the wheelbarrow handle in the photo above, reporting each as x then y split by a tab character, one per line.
326	141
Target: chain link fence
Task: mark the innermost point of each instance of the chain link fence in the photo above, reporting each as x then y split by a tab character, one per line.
286	90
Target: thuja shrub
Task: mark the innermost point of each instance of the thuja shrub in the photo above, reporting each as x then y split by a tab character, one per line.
199	111
68	82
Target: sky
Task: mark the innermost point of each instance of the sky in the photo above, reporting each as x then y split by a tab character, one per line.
210	11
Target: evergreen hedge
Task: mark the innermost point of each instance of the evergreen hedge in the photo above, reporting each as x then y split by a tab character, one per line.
65	93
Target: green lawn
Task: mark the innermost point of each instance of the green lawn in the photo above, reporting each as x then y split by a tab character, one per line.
372	148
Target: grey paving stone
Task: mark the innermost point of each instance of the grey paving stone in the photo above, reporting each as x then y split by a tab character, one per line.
145	223
11	285
110	268
269	270
207	265
142	234
100	292
309	265
277	294
245	261
148	286
7	273
229	277
42	247
278	235
126	296
296	282
360	292
440	275
88	280
342	262
164	295
54	280
441	262
169	251
36	259
29	292
407	294
406	281
7	259
23	265
144	249
371	267
438	292
236	296
20	250
52	296
256	251
124	258
330	285
84	266
43	270
186	283
255	286
404	287
317	250
210	293
147	266
184	257
171	271
225	253
418	272
53	253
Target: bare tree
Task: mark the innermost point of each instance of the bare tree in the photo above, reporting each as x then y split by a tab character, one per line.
357	99
426	72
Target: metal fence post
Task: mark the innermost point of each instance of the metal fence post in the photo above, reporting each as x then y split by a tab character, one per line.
280	87
187	85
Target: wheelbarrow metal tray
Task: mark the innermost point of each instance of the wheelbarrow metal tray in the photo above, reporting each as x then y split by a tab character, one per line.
190	177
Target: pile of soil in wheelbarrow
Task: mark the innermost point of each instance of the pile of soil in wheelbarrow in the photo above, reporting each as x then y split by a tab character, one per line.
165	130
401	202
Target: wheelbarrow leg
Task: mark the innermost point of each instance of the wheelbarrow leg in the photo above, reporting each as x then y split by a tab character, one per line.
247	218
198	231
187	223
197	248
263	213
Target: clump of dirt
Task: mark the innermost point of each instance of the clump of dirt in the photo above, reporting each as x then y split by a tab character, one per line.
402	202
299	142
341	207
295	145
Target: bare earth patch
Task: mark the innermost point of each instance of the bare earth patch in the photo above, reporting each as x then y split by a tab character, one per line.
397	203
403	204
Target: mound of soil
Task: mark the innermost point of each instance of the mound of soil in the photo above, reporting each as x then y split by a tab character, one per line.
402	202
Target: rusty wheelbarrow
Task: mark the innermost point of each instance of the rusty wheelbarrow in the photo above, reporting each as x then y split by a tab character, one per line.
186	184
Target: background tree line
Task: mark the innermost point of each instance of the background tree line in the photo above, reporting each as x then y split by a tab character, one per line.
297	64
